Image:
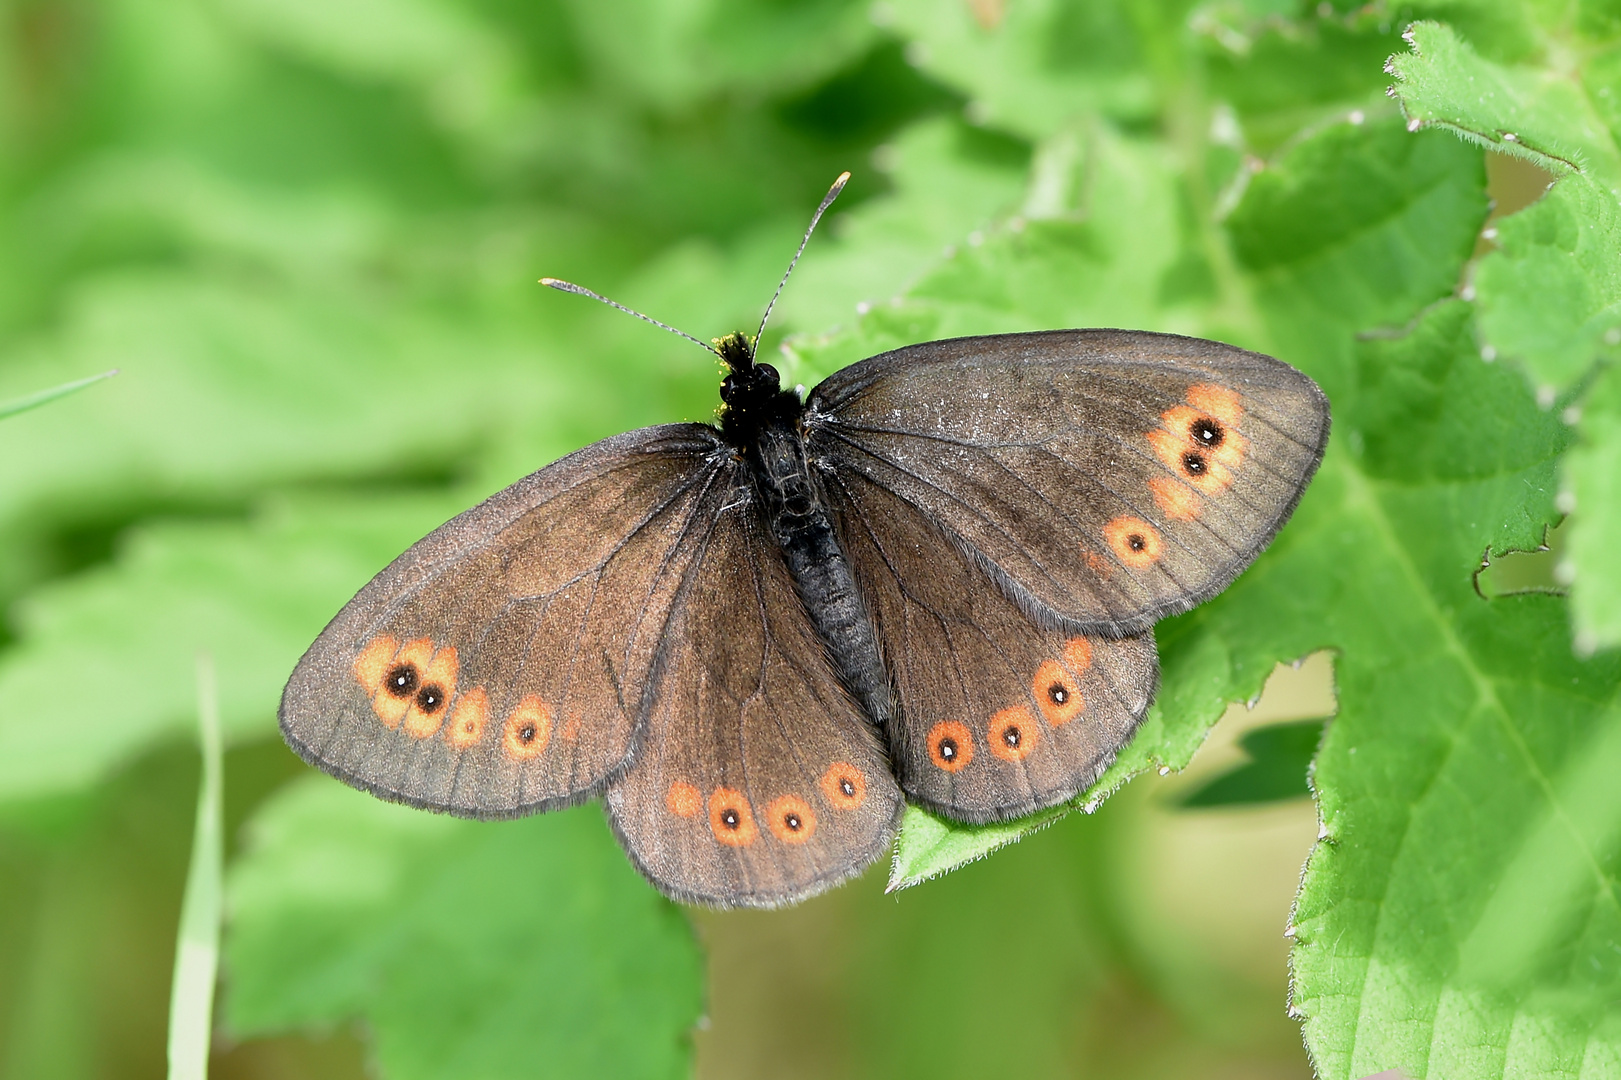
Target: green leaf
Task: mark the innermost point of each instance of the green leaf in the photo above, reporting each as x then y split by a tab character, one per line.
1550	295
111	652
1537	114
1279	758
1592	492
1354	228
467	949
1034	68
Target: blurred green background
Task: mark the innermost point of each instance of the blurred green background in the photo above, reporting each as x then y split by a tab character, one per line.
309	233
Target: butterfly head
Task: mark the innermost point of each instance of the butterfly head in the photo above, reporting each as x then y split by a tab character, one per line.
751	394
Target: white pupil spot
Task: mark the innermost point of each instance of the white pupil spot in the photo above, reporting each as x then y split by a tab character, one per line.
948	749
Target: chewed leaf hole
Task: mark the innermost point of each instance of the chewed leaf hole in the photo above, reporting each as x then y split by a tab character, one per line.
1516	572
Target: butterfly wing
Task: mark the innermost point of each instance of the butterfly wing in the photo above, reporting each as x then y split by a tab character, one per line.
759	781
999	716
499	665
1108	478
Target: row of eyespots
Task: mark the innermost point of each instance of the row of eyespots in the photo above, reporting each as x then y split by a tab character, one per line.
1013	733
1201	445
790	818
411	685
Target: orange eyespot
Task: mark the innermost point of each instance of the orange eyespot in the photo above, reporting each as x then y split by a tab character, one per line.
1078	654
791	819
844	785
1176	500
1193	464
951	745
528	729
373	662
1013	734
683	799
429	704
1218	401
1056	694
402	681
1134	541
468	721
730	818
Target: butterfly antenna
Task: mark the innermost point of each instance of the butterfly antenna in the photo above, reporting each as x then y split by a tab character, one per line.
570	287
827	201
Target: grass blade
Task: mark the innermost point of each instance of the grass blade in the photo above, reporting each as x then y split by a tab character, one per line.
34	400
191	1000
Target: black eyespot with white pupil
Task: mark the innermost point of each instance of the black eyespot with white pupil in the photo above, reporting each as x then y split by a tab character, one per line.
1194	464
401	680
948	749
1206	432
526	733
1058	693
431	698
846	787
1136	541
792	820
730	818
1011	736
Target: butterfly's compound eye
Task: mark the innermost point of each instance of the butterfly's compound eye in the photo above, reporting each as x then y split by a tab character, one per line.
768	375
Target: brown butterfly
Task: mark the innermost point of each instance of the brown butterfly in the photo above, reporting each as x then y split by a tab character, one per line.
934	579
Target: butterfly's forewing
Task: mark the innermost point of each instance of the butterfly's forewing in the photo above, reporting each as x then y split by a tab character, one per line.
759	782
1109	478
498	665
999	716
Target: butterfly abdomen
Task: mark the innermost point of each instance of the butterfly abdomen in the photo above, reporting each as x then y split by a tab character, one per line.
797	516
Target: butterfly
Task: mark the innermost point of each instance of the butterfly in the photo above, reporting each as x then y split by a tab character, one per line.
932	579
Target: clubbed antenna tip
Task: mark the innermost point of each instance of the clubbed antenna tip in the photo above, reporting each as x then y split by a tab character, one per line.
827	201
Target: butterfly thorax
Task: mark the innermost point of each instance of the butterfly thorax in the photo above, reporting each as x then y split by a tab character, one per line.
762	420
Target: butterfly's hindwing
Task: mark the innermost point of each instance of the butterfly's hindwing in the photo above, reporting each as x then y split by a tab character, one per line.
759	782
999	716
1111	478
497	666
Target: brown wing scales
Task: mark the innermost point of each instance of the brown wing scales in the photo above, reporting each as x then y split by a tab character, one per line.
498	666
999	716
759	781
1111	478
